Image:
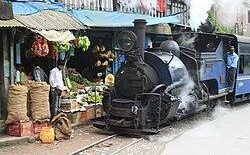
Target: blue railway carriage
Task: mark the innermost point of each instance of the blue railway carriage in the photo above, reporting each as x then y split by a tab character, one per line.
204	56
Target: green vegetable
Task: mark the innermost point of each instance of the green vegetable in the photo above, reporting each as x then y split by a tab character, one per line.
80	80
93	98
62	47
83	43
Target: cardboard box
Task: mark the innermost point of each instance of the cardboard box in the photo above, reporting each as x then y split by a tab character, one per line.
82	116
90	112
37	126
20	129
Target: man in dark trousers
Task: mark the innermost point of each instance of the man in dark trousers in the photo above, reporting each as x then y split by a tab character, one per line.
232	63
56	86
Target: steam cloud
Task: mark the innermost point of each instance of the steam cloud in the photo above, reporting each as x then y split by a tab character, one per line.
199	8
187	100
198	11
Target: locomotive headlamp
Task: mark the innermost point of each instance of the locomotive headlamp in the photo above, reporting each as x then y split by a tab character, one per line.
126	40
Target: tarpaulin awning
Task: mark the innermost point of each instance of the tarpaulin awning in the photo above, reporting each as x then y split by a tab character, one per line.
57	36
25	8
117	19
10	23
49	20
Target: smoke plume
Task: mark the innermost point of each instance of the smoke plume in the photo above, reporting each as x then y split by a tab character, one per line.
230	11
187	99
198	11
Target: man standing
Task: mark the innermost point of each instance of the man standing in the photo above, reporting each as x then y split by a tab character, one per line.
39	74
232	63
57	86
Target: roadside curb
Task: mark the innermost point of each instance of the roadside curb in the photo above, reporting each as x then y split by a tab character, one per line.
6	140
10	140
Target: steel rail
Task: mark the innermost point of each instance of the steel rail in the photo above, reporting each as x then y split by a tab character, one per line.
126	146
93	144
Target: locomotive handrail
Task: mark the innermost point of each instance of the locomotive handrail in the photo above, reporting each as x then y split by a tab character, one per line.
158	87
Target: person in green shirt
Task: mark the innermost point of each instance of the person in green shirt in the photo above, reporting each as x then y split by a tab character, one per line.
21	77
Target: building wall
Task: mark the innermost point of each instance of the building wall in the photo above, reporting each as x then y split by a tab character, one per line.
235	17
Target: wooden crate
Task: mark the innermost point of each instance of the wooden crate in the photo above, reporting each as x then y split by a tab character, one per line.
37	126
72	116
82	116
20	129
99	111
68	104
90	112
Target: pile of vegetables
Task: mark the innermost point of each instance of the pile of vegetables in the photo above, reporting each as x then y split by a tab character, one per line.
79	79
62	47
83	43
40	46
93	97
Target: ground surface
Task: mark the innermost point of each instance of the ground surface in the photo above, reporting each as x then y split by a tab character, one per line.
224	131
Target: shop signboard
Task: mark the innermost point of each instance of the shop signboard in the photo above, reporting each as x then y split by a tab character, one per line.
6	11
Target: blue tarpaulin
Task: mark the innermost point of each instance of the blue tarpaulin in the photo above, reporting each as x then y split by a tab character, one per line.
92	18
117	19
25	8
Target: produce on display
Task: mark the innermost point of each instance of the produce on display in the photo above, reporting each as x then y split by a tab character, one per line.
83	43
103	56
40	46
79	79
61	46
93	97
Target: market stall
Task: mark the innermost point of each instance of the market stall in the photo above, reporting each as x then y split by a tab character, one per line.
84	99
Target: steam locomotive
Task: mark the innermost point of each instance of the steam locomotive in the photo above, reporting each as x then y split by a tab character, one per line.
183	76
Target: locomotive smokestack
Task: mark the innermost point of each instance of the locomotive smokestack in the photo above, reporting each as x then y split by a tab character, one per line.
140	30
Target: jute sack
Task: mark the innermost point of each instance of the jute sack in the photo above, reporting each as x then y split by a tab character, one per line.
62	126
17	100
39	94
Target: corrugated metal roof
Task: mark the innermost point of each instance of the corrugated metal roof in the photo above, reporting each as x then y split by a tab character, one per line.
49	20
10	23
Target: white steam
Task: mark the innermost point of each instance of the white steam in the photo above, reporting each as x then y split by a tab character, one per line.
187	99
229	12
198	11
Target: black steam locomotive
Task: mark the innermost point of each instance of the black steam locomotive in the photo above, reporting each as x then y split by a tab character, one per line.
165	83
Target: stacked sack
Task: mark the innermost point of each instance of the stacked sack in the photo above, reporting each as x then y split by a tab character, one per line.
39	95
17	99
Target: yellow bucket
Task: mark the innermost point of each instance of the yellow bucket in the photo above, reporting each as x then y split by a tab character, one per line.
47	135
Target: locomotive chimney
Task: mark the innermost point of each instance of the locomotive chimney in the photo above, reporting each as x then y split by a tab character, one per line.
140	30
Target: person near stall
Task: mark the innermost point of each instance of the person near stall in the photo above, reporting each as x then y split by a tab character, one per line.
20	75
39	74
56	87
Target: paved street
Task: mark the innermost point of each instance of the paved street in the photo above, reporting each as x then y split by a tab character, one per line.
227	134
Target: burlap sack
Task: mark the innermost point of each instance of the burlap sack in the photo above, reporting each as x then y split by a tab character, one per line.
62	126
39	94
17	99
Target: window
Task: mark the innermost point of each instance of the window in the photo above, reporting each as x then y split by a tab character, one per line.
248	16
244	67
244	62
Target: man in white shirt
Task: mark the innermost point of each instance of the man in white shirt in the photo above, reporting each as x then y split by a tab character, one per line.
57	86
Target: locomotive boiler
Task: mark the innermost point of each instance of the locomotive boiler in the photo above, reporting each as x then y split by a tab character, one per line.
151	89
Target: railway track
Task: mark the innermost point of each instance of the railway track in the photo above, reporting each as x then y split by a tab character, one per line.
122	143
